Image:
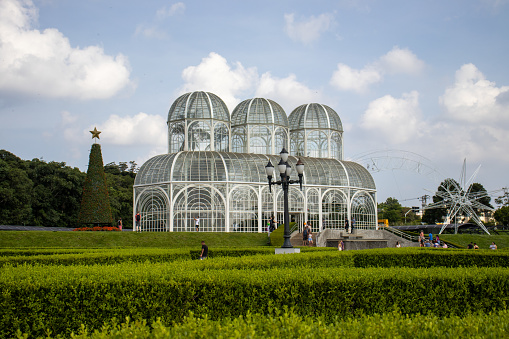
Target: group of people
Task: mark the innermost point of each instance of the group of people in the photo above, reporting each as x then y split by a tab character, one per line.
430	241
474	246
307	235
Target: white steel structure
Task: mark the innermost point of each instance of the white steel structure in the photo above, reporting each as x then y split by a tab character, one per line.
228	190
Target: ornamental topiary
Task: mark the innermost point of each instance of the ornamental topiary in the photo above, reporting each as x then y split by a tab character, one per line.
95	202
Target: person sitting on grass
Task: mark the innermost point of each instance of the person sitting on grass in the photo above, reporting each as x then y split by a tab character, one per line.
493	246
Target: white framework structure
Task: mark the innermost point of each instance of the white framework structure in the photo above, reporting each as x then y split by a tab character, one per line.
229	190
460	201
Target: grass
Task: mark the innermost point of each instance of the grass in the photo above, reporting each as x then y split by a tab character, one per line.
482	240
42	239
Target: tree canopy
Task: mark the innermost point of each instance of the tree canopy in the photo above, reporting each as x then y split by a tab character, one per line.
39	193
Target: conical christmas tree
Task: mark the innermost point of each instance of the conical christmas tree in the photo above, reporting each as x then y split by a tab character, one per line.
95	203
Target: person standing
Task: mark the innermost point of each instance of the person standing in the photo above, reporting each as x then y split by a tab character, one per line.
119	224
305	235
204	251
430	237
137	218
310	237
197	223
421	239
341	245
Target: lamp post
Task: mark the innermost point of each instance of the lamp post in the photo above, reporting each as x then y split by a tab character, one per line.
284	171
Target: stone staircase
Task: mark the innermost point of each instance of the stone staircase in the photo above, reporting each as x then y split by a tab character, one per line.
297	241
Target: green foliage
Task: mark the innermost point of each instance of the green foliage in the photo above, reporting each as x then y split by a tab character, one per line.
95	203
289	324
91	295
277	237
503	199
38	193
502	215
15	190
392	210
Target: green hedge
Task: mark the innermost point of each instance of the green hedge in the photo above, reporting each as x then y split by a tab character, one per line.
61	298
429	257
283	324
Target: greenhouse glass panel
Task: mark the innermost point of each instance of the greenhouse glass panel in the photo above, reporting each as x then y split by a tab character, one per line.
199	136
363	211
177	132
260	140
153	206
313	202
334	209
203	202
281	140
244	209
221	138
317	145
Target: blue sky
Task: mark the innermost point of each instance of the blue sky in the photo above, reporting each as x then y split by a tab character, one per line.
427	77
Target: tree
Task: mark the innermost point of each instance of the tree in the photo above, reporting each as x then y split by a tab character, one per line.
502	215
503	199
475	189
120	182
391	210
434	215
15	190
95	204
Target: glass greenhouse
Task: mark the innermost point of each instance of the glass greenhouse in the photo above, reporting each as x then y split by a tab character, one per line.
215	169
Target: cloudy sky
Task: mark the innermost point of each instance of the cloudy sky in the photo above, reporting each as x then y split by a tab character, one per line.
426	81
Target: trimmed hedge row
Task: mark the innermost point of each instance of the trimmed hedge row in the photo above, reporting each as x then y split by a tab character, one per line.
429	257
61	298
291	325
322	257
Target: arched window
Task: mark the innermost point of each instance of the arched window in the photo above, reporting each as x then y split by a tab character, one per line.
334	209
153	207
239	140
297	144
281	140
200	201
176	134
243	210
363	211
336	146
199	136
313	203
260	138
221	138
317	145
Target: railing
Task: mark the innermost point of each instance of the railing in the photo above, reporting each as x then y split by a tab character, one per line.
401	234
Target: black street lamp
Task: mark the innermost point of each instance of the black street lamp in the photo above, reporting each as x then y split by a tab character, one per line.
284	171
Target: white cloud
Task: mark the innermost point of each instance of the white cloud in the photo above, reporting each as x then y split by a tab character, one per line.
215	75
140	129
400	60
346	78
44	63
397	120
176	8
287	92
475	99
236	83
396	61
307	31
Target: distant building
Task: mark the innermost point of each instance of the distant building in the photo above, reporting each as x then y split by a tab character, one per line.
215	169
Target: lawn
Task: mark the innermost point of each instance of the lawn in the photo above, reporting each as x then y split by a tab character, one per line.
482	240
38	239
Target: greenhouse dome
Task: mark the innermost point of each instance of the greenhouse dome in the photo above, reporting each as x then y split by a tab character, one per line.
198	121
202	177
316	130
259	126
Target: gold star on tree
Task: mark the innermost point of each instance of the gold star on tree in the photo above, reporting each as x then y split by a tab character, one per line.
95	133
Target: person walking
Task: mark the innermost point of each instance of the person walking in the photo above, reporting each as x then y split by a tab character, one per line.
197	223
204	251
